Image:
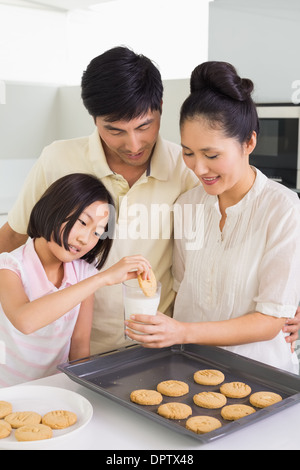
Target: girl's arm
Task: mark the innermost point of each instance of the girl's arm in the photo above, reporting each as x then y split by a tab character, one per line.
28	316
80	341
163	331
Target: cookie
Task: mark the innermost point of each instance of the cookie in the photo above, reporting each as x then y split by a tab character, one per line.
59	419
236	411
148	286
5	409
173	388
174	410
202	424
264	399
209	377
5	429
146	397
211	400
34	432
235	389
22	418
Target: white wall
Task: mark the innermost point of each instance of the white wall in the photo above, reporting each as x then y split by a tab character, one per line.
36	115
175	92
12	174
53	47
50	48
74	120
172	33
261	39
28	119
32	45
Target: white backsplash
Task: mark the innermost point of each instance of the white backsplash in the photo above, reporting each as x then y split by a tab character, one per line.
12	175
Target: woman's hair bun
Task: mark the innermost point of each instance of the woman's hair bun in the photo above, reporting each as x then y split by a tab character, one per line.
221	77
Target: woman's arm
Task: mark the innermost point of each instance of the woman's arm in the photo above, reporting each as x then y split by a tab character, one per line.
162	331
80	341
28	316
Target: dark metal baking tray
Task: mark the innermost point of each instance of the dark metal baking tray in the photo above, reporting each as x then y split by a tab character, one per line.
116	374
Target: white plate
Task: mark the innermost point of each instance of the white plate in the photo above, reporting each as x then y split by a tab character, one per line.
43	399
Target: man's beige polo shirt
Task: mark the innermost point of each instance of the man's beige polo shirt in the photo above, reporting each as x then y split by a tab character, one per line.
144	218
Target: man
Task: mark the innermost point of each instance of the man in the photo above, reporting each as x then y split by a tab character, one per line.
145	175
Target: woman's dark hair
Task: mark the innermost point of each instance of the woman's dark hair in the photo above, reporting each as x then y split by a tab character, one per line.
223	98
63	202
122	85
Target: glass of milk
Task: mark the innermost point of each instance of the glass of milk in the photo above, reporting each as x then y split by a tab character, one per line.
136	302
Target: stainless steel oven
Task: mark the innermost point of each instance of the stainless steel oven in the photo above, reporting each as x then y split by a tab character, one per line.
277	153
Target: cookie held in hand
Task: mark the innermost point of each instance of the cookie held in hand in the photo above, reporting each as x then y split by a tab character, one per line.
148	286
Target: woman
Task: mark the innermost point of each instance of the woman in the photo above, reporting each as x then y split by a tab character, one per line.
236	289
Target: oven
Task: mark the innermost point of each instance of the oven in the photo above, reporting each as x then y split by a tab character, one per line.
277	153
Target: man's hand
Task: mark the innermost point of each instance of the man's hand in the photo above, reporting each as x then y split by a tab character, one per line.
292	327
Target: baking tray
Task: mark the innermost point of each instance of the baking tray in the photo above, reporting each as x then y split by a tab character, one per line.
116	374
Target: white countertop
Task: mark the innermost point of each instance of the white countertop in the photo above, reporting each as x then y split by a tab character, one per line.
114	427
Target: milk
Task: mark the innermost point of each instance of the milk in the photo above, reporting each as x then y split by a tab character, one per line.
136	302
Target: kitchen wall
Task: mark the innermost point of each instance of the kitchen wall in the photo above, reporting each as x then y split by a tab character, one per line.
29	120
35	115
260	38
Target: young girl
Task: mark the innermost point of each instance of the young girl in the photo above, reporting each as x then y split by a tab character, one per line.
47	285
238	287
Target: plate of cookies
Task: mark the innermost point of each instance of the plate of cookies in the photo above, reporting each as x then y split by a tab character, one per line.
33	416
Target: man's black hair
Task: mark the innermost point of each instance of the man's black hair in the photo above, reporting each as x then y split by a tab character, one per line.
121	85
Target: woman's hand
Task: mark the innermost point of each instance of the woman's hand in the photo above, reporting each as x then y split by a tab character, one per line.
162	331
127	268
292	326
158	330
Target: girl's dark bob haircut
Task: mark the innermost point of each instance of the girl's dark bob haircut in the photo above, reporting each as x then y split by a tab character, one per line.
63	203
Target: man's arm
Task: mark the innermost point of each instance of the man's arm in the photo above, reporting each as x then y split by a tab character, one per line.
9	239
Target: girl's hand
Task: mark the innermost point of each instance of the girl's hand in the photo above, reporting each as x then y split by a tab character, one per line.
127	268
158	330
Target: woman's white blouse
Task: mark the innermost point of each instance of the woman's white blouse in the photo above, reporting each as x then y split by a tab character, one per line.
253	265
